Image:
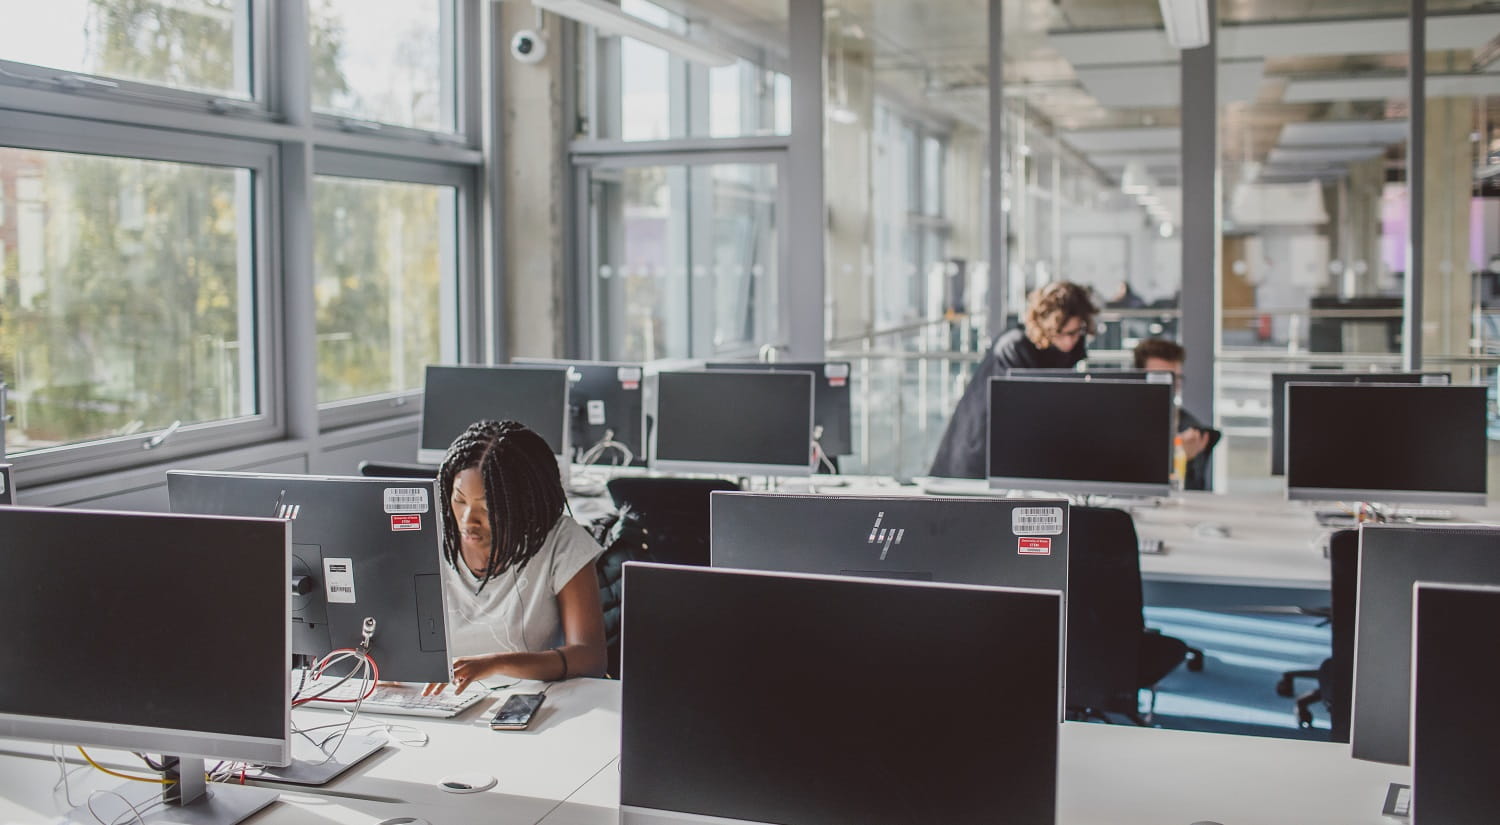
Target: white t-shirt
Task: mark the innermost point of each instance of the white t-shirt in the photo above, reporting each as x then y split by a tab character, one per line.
517	610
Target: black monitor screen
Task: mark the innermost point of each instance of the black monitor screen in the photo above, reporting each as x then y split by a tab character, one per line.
1085	436
734	420
1386	442
361	547
707	729
604	399
1279	380
1392	559
1457	718
455	397
831	409
153	621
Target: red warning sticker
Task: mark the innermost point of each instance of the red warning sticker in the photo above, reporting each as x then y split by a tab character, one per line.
412	522
1034	547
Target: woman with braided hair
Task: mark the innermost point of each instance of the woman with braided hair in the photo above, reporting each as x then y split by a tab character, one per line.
519	579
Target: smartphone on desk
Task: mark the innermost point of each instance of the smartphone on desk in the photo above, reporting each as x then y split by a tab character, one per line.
517	711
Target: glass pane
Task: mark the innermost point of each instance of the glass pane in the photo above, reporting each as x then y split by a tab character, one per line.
685	260
383	252
384	60
649	91
95	250
906	139
197	45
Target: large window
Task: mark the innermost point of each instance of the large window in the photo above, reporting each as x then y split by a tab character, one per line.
124	296
384	60
193	45
385	255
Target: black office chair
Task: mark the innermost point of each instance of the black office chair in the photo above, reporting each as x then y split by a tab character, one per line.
396	469
1336	674
657	519
1112	655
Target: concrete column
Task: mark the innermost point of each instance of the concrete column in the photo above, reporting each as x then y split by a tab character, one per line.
849	156
1365	186
535	190
1447	286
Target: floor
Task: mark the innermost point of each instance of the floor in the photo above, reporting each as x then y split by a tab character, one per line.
1245	655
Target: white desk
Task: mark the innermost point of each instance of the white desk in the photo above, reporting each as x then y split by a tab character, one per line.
1122	775
564	772
575	734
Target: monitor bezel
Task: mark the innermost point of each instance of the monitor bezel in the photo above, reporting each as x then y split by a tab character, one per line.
175	741
1463	498
434	456
1090	487
693	466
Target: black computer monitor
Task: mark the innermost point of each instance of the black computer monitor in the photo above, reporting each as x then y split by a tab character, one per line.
1279	380
455	397
146	632
1082	437
362	547
605	400
736	422
756	697
1392	558
7	485
1386	443
1455	719
995	542
831	408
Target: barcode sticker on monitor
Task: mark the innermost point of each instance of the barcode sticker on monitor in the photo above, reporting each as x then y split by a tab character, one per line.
629	377
837	374
1036	521
406	500
338	580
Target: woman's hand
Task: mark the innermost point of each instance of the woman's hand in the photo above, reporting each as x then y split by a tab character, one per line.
466	671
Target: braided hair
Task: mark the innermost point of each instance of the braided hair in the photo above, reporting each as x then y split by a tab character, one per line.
522	489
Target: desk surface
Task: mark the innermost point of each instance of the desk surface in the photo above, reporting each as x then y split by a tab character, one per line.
564	772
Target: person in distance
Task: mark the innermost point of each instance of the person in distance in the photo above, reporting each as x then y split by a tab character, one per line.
1161	355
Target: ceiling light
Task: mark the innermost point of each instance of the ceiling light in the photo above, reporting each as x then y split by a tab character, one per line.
609	19
1187	22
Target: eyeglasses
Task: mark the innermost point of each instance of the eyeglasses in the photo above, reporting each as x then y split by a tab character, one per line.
1077	332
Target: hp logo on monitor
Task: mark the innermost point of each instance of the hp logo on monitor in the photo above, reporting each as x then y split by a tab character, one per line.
884	536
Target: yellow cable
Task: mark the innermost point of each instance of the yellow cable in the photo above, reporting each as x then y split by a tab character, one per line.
98	766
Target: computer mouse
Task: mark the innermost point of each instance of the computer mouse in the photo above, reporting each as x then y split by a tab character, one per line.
1211	530
467	783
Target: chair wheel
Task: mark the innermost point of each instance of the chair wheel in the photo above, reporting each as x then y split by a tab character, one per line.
1195	663
1284	687
1304	718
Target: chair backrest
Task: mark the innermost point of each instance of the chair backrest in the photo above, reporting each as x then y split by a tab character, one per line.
1343	559
1104	606
396	469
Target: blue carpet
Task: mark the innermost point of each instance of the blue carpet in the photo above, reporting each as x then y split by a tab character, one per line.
1245	654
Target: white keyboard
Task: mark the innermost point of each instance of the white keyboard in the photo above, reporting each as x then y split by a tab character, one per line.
1422	513
398	701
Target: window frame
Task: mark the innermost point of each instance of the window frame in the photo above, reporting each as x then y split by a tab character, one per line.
51	133
456	292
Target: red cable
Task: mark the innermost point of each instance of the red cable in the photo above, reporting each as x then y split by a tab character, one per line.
318	671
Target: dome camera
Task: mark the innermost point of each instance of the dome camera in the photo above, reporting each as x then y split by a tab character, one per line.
528	46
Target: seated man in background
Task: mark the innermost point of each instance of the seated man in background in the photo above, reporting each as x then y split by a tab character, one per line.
1161	355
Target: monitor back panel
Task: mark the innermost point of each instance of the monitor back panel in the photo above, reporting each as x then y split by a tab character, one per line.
371	547
1391	560
770	698
1387	442
604	398
1455	719
7	485
1279	380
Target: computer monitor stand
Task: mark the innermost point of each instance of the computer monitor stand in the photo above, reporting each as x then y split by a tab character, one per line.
313	766
189	800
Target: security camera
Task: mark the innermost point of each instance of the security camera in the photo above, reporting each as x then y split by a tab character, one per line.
528	46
